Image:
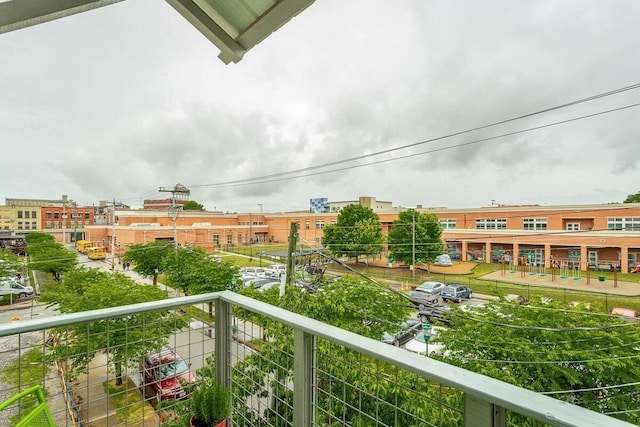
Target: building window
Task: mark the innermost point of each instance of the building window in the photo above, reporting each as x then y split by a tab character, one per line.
318	240
48	224
593	258
239	238
574	255
334	221
307	224
26	226
216	239
56	224
47	215
534	223
573	226
26	214
319	224
491	224
448	224
626	224
33	214
33	225
19	214
229	239
56	215
86	215
19	225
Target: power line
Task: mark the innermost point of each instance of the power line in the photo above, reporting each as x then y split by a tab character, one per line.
266	178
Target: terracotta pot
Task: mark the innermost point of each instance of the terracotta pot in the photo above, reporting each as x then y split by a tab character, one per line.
194	423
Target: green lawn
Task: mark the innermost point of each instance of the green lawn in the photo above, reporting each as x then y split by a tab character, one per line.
600	302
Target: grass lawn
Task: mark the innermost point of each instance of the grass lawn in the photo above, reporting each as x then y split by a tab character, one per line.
28	370
601	302
129	403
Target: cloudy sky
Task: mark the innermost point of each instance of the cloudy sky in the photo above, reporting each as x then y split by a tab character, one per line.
116	102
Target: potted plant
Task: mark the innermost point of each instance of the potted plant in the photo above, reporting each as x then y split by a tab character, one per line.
210	403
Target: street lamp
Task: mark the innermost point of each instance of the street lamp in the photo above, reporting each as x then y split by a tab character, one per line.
426	332
261	253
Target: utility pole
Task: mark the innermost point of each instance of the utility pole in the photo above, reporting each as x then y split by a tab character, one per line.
74	217
413	247
291	261
180	190
113	237
64	221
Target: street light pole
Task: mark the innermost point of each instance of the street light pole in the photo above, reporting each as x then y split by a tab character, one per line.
64	221
113	236
413	247
426	332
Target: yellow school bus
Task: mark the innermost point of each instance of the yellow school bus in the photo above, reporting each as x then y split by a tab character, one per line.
83	246
96	253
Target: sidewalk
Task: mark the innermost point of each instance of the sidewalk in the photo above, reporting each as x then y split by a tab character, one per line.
94	403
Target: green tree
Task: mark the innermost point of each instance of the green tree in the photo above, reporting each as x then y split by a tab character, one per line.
192	205
581	357
633	198
415	234
45	254
357	232
33	238
9	262
356	305
192	271
148	259
125	338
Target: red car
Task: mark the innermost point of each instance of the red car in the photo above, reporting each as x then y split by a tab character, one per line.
165	371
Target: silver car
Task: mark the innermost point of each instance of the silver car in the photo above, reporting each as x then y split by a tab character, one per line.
431	288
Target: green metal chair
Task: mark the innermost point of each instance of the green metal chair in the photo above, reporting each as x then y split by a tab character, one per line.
36	417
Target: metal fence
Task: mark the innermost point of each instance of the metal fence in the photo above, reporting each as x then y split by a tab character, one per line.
282	369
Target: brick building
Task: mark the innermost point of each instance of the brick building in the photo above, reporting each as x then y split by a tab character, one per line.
582	235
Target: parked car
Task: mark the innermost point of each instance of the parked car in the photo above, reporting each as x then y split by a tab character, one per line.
407	331
431	288
418	344
269	285
275	270
253	271
422	299
455	292
165	372
11	286
436	313
256	282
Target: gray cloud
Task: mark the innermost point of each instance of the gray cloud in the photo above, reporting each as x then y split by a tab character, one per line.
101	106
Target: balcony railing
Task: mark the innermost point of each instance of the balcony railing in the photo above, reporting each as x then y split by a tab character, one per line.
282	369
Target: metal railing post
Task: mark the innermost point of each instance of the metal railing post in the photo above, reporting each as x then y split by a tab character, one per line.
303	381
478	412
223	342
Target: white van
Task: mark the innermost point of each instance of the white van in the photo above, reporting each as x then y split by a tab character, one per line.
11	286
